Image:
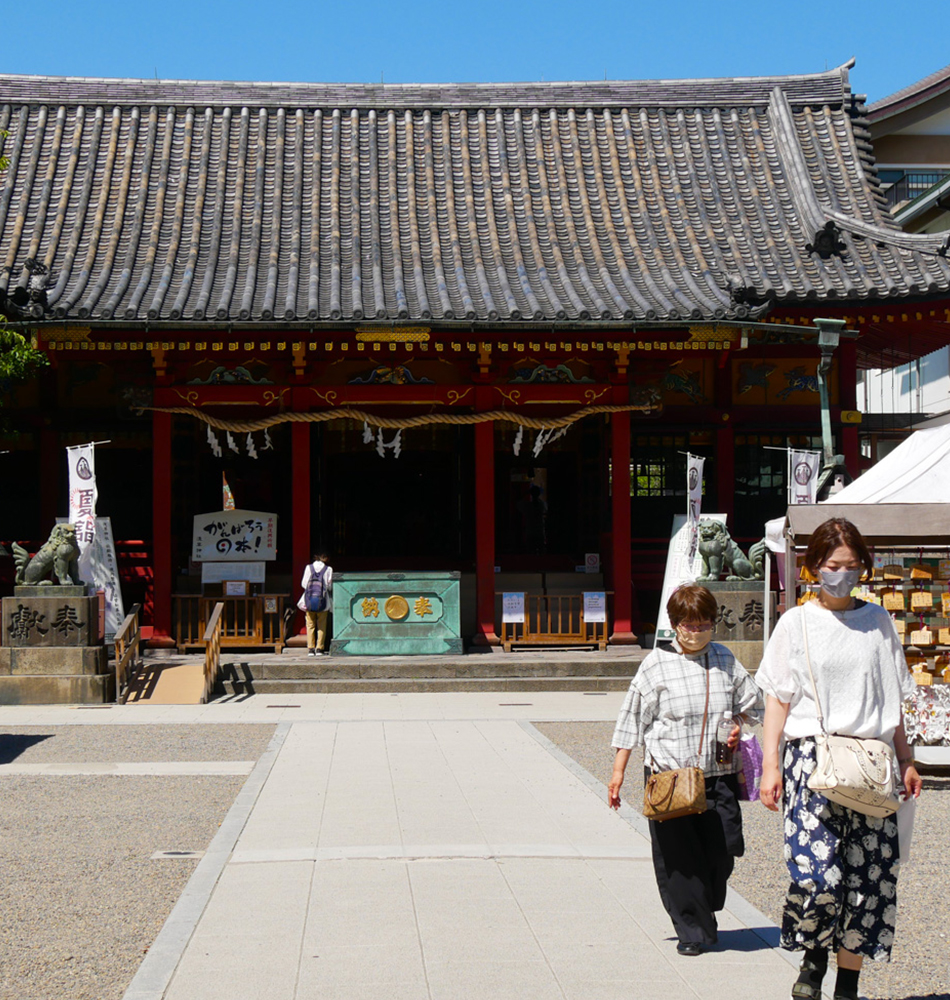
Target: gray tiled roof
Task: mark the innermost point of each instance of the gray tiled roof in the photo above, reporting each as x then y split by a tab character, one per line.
610	202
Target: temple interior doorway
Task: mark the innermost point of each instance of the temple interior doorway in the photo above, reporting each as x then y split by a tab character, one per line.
411	510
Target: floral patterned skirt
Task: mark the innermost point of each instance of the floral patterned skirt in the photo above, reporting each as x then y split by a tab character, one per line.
843	867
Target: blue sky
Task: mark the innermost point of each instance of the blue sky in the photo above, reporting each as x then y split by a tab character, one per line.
493	40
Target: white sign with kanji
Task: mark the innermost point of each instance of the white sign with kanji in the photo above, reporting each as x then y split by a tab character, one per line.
228	535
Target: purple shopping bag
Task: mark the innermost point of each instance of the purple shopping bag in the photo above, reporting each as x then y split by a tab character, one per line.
750	774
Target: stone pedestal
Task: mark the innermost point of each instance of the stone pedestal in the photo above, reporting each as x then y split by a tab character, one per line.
741	619
51	653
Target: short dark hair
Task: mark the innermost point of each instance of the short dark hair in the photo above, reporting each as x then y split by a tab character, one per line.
828	536
320	556
692	603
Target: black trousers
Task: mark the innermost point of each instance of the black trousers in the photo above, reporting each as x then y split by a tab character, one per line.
693	857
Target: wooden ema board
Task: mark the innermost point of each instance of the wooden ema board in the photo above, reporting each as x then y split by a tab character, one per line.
178	684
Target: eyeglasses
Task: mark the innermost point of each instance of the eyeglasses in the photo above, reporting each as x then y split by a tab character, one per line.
699	627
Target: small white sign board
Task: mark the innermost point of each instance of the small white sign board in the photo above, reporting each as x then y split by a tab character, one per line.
218	572
679	569
595	606
234	535
512	607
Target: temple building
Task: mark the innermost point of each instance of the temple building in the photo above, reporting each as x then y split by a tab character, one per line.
472	327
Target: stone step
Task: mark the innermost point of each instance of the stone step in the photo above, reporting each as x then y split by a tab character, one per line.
434	668
595	685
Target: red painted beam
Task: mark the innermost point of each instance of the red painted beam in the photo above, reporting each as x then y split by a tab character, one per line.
620	535
162	530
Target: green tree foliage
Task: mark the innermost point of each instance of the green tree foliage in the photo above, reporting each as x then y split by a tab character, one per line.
19	360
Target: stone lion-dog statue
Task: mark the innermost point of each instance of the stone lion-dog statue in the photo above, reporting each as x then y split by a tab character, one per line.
720	553
59	555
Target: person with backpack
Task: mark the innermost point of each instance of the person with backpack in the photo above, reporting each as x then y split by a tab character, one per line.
317	584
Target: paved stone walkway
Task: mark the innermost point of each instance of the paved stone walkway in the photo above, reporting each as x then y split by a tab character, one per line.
427	846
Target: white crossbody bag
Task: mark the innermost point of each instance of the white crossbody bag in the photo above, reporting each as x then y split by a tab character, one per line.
858	773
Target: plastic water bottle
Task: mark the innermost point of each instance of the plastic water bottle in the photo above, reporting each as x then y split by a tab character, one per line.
723	732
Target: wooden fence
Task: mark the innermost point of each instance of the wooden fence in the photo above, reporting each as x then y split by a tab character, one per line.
253	621
128	643
554	620
212	642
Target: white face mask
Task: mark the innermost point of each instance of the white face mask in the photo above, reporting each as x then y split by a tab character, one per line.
839	582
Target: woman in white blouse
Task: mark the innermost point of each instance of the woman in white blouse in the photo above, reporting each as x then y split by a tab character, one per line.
842	863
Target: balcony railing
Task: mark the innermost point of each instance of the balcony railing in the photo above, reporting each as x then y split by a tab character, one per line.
912	185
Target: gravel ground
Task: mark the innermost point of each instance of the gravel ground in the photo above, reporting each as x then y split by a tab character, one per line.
81	900
920	966
131	744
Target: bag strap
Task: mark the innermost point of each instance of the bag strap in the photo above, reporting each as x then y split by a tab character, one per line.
702	734
814	686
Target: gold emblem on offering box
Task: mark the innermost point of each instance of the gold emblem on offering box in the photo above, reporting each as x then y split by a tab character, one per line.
396	608
370	607
922	637
422	607
893	571
921	599
893	600
921	572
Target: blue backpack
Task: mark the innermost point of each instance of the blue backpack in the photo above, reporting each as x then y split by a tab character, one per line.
315	598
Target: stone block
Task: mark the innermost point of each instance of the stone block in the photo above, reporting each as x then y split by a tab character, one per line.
59	661
31	689
49	590
50	621
5	660
741	615
749	654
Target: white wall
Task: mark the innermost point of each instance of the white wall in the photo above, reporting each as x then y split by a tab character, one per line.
919	387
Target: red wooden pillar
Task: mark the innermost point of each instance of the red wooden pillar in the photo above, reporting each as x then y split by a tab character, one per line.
848	396
162	530
726	473
51	462
485	534
300	547
620	518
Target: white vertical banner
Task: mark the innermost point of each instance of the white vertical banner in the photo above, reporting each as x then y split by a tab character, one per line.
83	494
694	498
804	467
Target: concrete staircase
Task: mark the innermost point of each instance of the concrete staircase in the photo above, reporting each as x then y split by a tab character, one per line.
293	672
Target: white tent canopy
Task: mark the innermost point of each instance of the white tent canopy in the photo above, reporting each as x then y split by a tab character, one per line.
916	471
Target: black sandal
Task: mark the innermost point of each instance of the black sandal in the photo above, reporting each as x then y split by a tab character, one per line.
805	991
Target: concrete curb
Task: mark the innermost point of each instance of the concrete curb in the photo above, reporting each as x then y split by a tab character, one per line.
155	973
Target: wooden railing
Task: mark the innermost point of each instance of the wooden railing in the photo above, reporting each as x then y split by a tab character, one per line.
255	620
128	642
212	641
554	620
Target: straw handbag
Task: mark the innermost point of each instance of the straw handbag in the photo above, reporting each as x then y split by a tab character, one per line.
857	773
682	792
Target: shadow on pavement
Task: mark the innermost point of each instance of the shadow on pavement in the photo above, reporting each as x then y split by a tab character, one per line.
749	939
12	745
